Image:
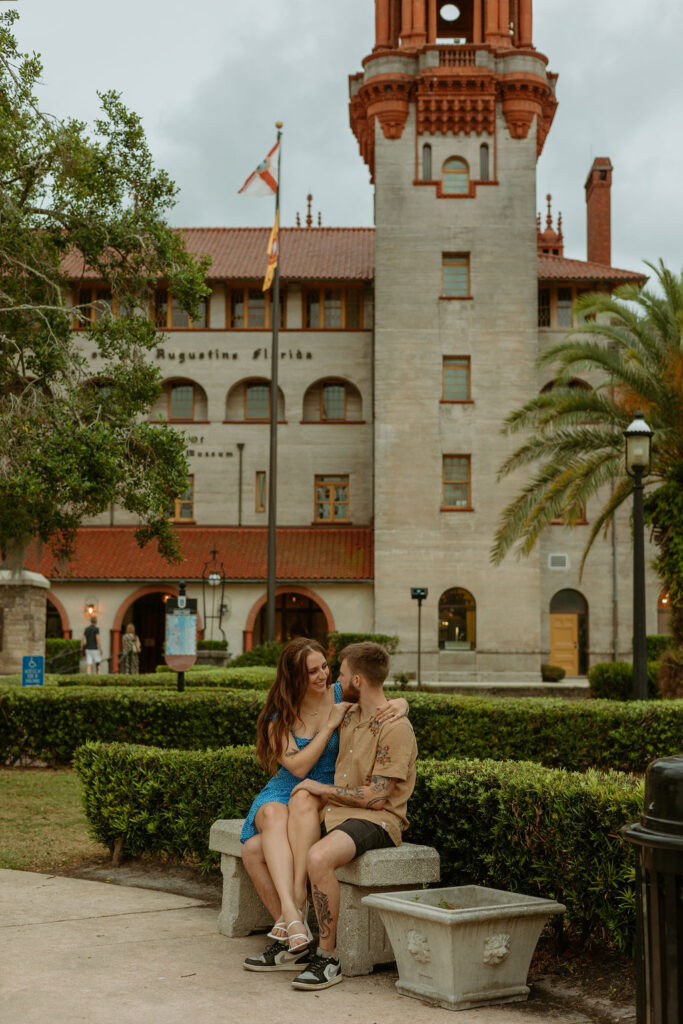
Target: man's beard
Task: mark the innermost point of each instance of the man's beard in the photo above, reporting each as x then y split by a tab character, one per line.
352	695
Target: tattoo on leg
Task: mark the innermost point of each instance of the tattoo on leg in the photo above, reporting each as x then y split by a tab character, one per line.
322	911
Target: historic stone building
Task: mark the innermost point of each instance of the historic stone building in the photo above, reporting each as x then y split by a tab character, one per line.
403	348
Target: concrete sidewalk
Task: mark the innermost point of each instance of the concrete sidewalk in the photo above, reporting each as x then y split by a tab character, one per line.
81	952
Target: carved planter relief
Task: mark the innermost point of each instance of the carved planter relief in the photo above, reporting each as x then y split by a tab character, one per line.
464	946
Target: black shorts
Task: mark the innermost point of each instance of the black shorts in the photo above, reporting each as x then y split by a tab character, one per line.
365	834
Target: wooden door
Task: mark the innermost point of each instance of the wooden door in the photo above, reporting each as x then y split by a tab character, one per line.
564	642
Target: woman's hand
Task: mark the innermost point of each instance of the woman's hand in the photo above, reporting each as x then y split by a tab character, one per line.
394	709
337	712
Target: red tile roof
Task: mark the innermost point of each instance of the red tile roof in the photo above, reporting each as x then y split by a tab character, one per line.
304	553
331	254
312	254
557	268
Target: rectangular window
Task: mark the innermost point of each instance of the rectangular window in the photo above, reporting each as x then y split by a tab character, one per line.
170	316
184	504
96	302
181	402
456	378
544	307
331	499
564	307
261	491
456	481
456	276
329	309
249	308
333	402
257	402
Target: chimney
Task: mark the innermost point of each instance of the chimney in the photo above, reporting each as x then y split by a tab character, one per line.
598	211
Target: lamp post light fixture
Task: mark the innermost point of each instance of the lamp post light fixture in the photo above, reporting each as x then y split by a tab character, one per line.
638	457
213	578
419	594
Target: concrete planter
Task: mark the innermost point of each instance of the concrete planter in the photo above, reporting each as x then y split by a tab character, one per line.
465	946
214	659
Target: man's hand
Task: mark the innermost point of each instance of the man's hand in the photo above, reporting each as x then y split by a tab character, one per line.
311	786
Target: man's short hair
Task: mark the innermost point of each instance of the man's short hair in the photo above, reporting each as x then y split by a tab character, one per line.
367	659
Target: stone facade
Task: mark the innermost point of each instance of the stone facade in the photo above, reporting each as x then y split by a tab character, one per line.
22	618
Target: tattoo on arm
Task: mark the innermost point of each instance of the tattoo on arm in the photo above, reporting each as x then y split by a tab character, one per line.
322	911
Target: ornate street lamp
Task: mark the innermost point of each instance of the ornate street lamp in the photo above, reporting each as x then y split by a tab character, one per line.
419	594
638	454
213	595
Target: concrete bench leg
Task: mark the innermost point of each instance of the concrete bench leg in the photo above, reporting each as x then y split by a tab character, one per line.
362	941
241	910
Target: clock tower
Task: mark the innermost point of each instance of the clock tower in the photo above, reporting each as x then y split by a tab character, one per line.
451	112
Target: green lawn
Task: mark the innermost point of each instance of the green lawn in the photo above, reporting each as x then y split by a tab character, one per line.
42	822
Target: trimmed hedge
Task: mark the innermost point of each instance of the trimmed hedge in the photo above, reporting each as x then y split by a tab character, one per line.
256	678
657	643
613	680
338	641
576	735
552	673
262	654
511	825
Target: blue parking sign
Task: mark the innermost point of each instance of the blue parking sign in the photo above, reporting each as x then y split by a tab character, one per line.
33	670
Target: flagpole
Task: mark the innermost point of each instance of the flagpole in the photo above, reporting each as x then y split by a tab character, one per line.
272	476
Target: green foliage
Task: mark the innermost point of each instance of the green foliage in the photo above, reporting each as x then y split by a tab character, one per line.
657	643
629	345
552	673
664	513
510	825
74	441
254	678
338	641
62	654
575	735
263	654
670	676
212	645
545	832
165	801
613	680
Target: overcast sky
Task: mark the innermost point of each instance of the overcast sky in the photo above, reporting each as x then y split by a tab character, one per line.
211	77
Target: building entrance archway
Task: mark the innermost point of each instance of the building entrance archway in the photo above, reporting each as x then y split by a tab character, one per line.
298	612
569	632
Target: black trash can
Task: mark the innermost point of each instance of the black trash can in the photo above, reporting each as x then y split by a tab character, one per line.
659	894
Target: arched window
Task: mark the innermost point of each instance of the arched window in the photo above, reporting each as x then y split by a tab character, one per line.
332	401
484	172
249	402
457	620
181	401
456	177
427	162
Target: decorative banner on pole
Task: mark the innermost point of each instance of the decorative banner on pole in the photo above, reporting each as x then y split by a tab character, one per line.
33	670
181	634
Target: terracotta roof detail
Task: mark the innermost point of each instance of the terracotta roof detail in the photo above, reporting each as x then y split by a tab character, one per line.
304	553
558	268
308	254
331	254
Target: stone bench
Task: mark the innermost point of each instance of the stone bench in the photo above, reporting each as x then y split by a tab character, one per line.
361	939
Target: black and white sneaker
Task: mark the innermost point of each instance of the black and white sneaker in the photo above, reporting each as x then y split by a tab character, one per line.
278	958
321	972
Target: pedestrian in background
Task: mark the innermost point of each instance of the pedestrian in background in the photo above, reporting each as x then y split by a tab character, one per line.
130	651
90	643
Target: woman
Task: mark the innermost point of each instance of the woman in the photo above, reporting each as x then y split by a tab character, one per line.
297	729
130	651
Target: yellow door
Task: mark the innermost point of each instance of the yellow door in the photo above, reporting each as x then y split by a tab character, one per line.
564	643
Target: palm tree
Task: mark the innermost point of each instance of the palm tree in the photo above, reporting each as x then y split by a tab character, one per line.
630	344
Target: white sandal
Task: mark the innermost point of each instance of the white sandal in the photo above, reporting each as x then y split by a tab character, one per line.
280	926
307	936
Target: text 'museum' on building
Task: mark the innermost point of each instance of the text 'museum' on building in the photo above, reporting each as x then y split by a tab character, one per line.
402	349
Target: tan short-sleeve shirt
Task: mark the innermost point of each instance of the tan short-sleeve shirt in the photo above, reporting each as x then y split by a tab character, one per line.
368	748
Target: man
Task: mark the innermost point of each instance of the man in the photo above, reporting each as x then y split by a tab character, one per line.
366	807
90	643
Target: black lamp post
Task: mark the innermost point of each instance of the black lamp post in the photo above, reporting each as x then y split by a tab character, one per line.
419	594
638	443
213	578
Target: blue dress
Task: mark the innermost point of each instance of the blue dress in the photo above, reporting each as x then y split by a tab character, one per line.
280	787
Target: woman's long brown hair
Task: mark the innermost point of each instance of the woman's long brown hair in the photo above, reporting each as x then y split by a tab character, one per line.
283	702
